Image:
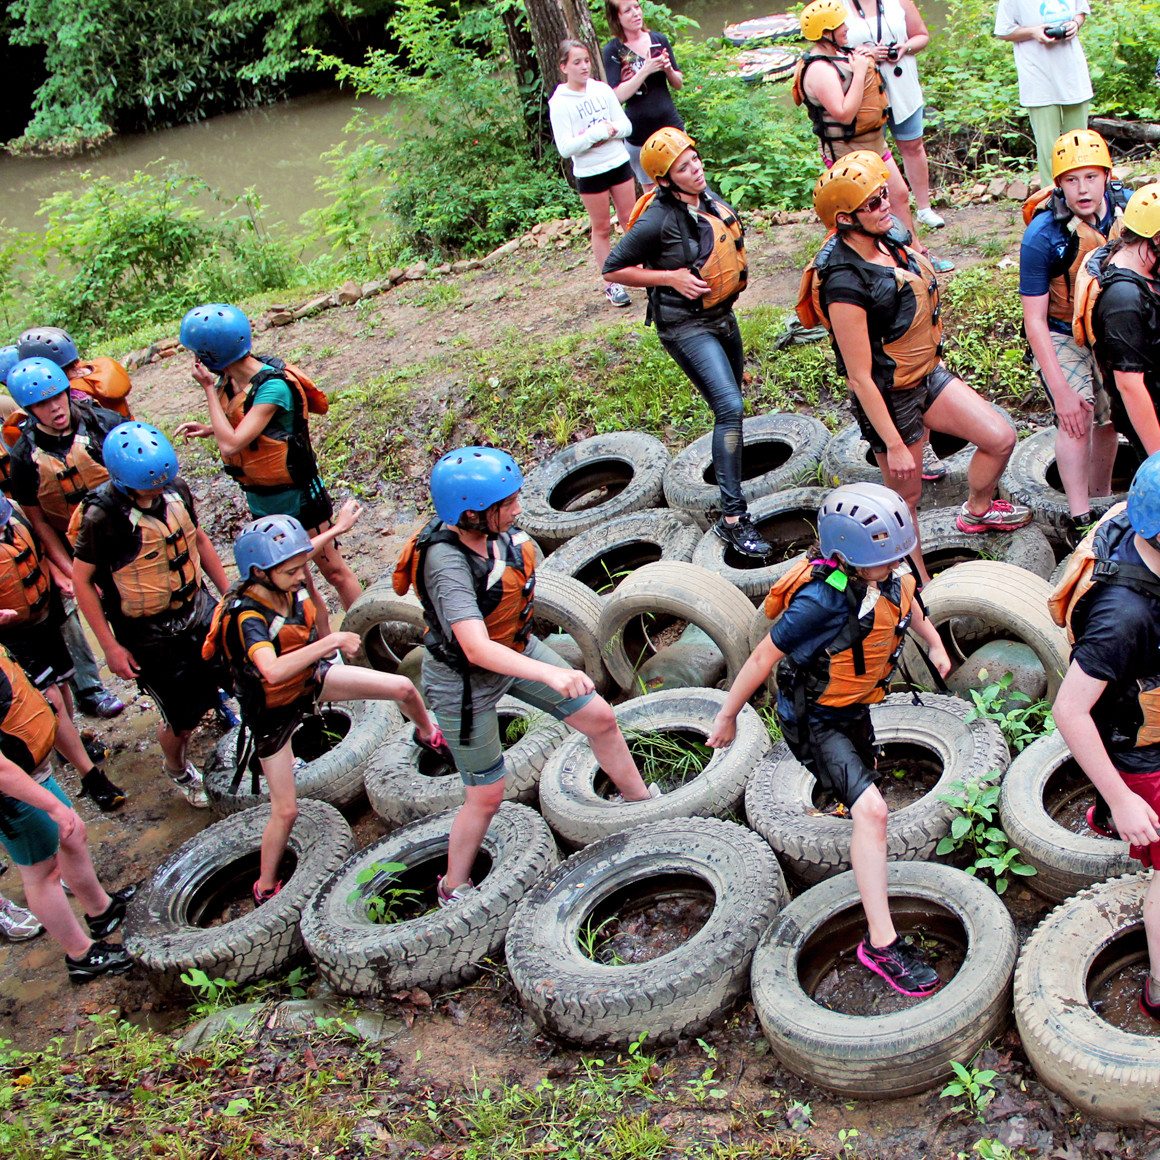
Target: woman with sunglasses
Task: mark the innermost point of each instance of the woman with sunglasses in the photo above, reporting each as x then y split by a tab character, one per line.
879	300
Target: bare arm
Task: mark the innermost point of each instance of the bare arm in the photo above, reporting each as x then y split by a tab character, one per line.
275	669
1073	412
652	65
117	657
211	563
486	653
917	34
1141	411
754	673
17	784
824	88
684	281
935	649
50	540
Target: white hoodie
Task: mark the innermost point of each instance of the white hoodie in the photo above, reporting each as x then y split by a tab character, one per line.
576	127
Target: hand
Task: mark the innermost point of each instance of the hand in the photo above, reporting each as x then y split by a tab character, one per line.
1074	413
69	823
1040	33
900	462
569	683
688	284
122	662
347	516
862	57
877	52
609	130
1136	821
723	732
653	65
202	375
8	616
347	643
192	430
937	654
1072	29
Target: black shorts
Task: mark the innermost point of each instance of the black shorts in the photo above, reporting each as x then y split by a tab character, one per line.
316	510
907	408
39	649
182	684
273	728
841	755
603	182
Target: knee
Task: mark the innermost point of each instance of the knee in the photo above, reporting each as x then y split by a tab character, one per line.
284	813
601	720
1003	441
871	812
601	230
729	411
485	800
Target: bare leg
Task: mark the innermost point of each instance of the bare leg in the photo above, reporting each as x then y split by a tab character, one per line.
68	740
173	748
1073	457
320	608
47	901
911	491
336	571
1105	443
623	201
481	803
598	723
917	169
279	771
1151	929
868	861
900	199
75	866
601	221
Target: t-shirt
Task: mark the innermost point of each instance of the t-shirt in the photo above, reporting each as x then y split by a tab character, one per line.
1119	642
1055	74
651	107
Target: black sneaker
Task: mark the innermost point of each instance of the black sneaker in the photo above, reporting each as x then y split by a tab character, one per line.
900	966
106	796
1149	1005
102	925
100	959
94	747
743	537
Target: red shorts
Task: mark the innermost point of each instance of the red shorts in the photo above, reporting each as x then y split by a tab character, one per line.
1147	785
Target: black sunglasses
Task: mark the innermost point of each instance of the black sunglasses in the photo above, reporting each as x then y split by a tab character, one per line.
875	202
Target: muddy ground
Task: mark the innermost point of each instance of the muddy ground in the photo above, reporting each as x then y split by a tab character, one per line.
481	1030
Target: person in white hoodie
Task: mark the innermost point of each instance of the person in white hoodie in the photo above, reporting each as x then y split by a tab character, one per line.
589	126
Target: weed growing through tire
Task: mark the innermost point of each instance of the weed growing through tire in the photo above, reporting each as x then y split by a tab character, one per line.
664	758
974	831
1020	719
387	905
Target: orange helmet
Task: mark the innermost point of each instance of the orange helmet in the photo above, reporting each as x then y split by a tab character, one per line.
1078	149
848	184
659	152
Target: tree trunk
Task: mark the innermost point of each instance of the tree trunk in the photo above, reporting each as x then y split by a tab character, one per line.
533	100
554	20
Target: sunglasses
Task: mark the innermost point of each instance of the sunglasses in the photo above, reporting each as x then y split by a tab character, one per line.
875	202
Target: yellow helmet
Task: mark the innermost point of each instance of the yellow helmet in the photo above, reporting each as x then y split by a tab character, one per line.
1142	213
1078	149
822	16
659	152
848	184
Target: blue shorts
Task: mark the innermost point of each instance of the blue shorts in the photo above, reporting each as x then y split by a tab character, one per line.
908	130
34	835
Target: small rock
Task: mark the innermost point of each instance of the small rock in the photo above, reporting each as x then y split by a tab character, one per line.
394	274
370	289
314	306
502	251
460	267
471	264
1005	263
164	344
1014	1132
977	191
415	272
280	317
1018	191
349	293
167	352
997	186
442	269
1107	1142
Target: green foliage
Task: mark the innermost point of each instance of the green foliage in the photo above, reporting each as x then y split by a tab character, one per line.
975	1087
974	831
389	903
1120	39
1020	719
214	994
988	1149
664	758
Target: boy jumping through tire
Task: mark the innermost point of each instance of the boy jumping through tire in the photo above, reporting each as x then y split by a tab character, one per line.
474	573
1108	706
842	624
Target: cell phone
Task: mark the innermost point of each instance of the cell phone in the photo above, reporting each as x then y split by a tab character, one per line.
656	50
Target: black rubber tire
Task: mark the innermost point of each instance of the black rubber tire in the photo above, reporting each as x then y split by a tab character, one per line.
563	603
1065	863
943	545
443	947
1101	1069
404	783
1010	600
1025	481
603	556
779	797
220	865
685	592
626	466
679	993
389	625
908	1051
779	451
788	520
335	777
573	808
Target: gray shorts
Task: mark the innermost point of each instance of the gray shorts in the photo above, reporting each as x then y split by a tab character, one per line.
1081	373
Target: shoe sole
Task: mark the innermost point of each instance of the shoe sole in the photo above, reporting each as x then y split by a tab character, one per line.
871	965
1090	818
934	478
120	969
19	938
1154	1014
978	529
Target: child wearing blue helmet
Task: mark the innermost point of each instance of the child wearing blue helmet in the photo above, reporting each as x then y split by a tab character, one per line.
474	572
841	625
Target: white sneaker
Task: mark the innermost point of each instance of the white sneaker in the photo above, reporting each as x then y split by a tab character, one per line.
16	923
617	294
929	218
654	792
190	782
447	898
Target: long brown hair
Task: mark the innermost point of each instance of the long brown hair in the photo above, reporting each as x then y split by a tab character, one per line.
566	46
612	15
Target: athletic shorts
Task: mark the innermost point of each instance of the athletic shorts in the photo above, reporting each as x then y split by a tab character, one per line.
172	671
273	728
907	408
908	130
41	652
316	510
29	834
841	148
841	755
1147	785
1080	372
603	182
480	761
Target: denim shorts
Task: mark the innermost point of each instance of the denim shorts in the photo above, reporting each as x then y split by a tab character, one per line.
34	835
908	130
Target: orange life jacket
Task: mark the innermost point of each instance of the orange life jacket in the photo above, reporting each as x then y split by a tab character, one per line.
29	719
65	482
24	582
856	666
865	130
273	463
106	382
9	434
917	351
504	590
1093	563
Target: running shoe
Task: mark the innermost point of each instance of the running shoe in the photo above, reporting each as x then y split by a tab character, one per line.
100	704
106	796
1001	516
16	923
933	468
447	898
617	294
99	959
942	265
743	536
1148	1005
900	966
190	782
109	920
262	896
929	218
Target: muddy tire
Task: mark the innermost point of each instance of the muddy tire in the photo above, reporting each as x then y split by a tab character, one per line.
388	625
884	1055
779	451
166	928
335	777
788	520
591	482
1009	602
683	592
442	947
779	797
603	556
1065	863
563	603
943	545
573	807
679	993
405	783
1100	1068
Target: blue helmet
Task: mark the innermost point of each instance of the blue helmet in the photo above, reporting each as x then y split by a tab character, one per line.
1144	498
866	524
49	342
138	457
34	380
268	542
471	479
217	334
9	357
5	509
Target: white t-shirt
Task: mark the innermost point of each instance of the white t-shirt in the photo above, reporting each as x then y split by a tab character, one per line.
576	118
901	76
1055	74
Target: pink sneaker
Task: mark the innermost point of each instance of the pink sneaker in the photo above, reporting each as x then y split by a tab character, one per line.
1001	516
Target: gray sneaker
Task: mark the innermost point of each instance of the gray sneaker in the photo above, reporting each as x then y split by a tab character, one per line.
189	781
1001	516
461	893
617	294
16	923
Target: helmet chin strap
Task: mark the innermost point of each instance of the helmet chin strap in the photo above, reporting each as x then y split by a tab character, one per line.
829	37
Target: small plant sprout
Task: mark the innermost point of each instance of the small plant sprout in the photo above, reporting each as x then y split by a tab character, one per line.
386	905
847	1143
972	1086
703	1086
1020	719
975	830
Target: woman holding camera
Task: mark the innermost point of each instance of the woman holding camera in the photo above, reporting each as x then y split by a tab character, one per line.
896	34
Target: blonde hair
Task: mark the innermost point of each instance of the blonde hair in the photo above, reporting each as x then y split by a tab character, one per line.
566	46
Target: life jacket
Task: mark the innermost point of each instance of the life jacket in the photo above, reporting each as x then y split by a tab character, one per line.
1093	562
9	434
24	583
915	352
504	590
29	719
106	382
225	639
1062	287
274	462
865	129
65	482
855	668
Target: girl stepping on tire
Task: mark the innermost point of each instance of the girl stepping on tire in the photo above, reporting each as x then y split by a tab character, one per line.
841	625
474	573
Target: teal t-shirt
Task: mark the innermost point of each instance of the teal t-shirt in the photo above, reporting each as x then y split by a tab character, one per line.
277	393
